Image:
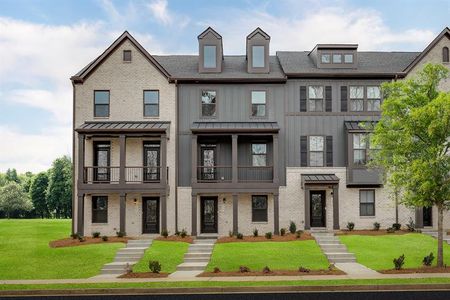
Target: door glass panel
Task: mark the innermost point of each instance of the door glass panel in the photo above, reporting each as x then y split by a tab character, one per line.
208	161
151	162
101	159
209	213
152	211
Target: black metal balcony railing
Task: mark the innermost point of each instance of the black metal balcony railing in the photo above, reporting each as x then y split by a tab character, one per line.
142	174
214	173
259	174
224	174
101	174
132	174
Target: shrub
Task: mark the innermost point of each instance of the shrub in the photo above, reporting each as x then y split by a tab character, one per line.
399	262
376	226
244	269
396	226
154	266
183	233
230	234
74	236
164	233
350	226
303	270
292	227
105	238
428	260
81	239
255	232
96	234
240	236
266	270
411	226
128	269
177	232
216	270
282	231
268	235
298	233
390	230
120	234
331	267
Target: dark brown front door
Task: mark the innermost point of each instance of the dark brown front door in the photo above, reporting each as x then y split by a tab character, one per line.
208	218
428	216
317	208
150	215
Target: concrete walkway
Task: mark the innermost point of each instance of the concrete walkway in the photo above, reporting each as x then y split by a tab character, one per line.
355	269
434	233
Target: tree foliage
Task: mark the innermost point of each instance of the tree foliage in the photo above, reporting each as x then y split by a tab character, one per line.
38	194
59	193
11	175
14	199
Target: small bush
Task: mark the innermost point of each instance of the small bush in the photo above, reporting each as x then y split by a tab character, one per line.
399	262
96	234
298	233
428	260
255	232
120	234
268	235
396	226
74	236
177	233
183	233
81	239
154	266
292	227
230	234
350	226
244	269
266	270
164	233
376	226
105	238
240	236
411	226
390	230
303	270
216	270
282	231
331	267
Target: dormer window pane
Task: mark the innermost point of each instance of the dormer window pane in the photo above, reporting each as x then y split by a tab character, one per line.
258	57
326	58
337	58
348	58
209	56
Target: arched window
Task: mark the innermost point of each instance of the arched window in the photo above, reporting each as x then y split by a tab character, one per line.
445	57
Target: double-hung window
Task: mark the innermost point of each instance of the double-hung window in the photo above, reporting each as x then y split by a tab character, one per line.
209	56
259	155
151	103
258	103
359	148
258	57
101	104
208	103
99	209
259	208
373	98
367	202
357	98
315	94
316	151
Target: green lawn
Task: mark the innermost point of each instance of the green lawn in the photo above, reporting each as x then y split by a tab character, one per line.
25	254
377	252
169	254
276	255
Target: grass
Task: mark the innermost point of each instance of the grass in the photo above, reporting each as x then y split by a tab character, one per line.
377	252
25	254
197	284
169	255
276	255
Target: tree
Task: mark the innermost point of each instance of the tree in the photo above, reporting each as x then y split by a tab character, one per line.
413	142
14	199
59	193
38	194
25	181
3	180
11	175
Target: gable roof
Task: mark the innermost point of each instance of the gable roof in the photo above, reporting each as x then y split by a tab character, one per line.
209	30
260	31
86	71
445	32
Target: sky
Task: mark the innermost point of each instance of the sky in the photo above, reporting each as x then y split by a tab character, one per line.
43	43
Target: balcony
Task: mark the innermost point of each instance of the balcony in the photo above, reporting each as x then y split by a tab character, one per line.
133	175
225	174
358	176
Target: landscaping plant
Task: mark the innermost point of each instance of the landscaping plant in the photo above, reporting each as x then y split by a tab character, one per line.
239	236
244	269
183	233
154	266
165	233
298	233
376	226
120	234
396	226
303	270
350	226
105	238
255	232
81	239
411	226
96	234
266	270
268	235
428	260
282	231
390	230
216	270
230	234
399	262
292	227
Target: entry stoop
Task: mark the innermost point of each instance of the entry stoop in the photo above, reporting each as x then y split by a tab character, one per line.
334	250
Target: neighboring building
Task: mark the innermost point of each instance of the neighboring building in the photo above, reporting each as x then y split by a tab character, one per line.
213	143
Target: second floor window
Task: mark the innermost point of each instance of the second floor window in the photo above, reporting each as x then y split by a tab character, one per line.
208	103
258	57
258	103
151	103
359	148
259	155
209	56
101	104
315	95
316	150
373	98
356	98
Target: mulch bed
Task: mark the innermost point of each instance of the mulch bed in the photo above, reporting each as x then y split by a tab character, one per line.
371	232
275	238
69	242
144	275
173	238
417	270
272	273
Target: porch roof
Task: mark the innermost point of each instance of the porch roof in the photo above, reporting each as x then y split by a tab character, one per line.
357	125
123	126
320	179
235	127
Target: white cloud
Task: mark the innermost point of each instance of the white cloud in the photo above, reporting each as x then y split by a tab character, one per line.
160	11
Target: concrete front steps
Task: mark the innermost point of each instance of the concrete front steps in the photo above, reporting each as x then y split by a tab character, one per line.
332	247
434	233
126	257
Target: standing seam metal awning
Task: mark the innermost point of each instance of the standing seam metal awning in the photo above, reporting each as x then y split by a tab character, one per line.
358	125
319	179
235	127
116	127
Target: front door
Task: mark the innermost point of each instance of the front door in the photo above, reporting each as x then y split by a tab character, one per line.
428	216
208	161
150	215
317	208
208	214
102	157
151	162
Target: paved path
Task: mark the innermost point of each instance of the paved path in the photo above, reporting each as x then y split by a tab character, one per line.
355	269
434	233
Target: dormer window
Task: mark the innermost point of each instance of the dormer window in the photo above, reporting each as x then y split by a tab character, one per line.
210	51
258	51
326	58
127	55
258	57
209	56
337	58
348	58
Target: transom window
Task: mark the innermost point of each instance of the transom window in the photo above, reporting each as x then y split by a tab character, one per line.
258	103
326	58
337	58
259	155
357	98
348	58
101	103
259	208
373	98
127	55
151	103
99	209
208	103
209	56
316	150
367	202
258	57
315	95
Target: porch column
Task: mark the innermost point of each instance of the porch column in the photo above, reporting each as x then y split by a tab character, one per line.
163	159
194	215
234	159
194	158
307	209
275	159
122	162
235	214
80	215
419	217
335	207
81	146
276	214
163	200
122	214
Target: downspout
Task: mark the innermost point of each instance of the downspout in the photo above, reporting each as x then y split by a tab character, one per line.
73	159
176	155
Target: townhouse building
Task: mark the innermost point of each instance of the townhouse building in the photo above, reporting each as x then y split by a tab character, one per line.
214	143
